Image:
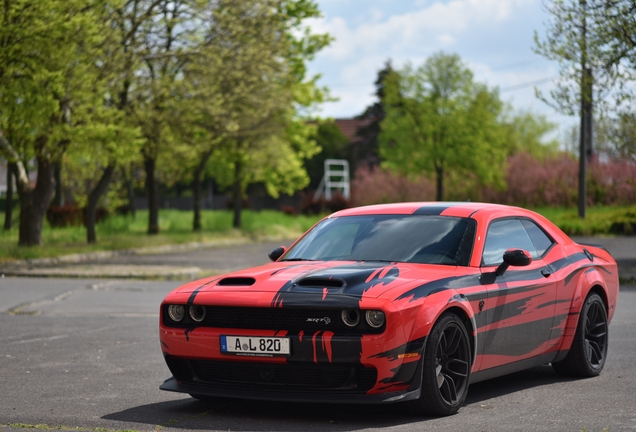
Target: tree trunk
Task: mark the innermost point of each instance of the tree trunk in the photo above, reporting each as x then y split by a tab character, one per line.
58	198
33	204
8	209
196	191
439	173
237	195
153	196
93	199
129	190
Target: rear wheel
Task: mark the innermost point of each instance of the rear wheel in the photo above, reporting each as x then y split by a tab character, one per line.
446	368
587	355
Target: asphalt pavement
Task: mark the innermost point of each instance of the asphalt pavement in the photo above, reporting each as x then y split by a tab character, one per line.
83	354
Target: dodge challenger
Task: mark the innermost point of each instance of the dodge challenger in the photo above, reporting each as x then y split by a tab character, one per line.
407	303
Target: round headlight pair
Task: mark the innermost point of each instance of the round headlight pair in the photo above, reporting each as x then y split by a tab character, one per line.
351	318
177	312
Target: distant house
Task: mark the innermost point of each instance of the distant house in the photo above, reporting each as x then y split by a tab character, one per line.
362	138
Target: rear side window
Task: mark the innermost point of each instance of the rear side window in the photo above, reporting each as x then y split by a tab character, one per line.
540	239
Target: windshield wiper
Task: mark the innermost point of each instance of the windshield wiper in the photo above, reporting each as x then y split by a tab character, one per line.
298	259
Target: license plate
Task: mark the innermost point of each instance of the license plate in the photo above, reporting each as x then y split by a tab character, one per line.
255	346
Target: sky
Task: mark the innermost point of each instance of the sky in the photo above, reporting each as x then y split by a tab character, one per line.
493	37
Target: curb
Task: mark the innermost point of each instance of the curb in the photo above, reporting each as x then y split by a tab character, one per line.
110	272
100	255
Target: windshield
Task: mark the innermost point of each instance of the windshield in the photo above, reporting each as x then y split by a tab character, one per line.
396	238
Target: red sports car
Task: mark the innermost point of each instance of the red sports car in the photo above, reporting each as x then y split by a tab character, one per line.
391	303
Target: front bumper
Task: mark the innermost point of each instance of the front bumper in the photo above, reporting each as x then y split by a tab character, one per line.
173	385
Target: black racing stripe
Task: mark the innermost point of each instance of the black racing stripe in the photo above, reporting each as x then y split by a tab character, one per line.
403	374
482	295
357	277
511	309
194	294
196	291
454	282
554	302
435	209
517	340
458	282
564	262
587	268
516	290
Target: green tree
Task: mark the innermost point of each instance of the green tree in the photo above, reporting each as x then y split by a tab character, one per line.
616	136
366	152
527	132
576	37
438	120
248	84
46	74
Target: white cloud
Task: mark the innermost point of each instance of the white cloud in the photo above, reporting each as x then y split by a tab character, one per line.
490	35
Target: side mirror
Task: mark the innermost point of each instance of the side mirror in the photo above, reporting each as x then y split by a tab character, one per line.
515	258
277	253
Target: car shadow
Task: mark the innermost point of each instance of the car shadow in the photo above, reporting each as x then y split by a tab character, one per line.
243	415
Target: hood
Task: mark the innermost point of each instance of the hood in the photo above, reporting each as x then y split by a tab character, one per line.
371	279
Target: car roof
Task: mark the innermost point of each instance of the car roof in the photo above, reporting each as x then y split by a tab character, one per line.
457	209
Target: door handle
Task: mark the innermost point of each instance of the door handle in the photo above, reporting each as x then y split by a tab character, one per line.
546	273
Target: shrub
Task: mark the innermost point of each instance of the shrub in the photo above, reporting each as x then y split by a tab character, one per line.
312	206
72	215
530	183
377	186
64	216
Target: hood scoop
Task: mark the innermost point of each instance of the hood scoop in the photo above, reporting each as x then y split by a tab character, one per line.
318	282
237	281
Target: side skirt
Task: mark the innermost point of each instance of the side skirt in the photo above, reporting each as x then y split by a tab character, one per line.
511	368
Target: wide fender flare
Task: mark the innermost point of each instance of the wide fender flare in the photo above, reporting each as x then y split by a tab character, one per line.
590	278
435	306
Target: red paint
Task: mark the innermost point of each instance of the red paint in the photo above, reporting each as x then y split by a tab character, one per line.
313	342
373	275
324	292
300	335
326	344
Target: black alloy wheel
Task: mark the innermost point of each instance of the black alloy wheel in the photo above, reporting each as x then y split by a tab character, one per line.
446	368
587	355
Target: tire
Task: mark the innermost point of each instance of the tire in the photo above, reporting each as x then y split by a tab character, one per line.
445	369
587	355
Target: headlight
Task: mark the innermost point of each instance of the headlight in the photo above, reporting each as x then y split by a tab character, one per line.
375	318
176	312
350	317
197	313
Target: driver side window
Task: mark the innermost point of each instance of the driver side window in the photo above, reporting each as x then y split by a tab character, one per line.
502	235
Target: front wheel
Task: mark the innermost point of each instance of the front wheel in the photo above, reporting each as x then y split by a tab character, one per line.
446	368
587	355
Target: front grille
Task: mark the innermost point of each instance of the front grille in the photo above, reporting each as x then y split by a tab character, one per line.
269	376
271	318
254	318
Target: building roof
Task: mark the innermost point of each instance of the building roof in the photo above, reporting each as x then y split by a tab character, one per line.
349	127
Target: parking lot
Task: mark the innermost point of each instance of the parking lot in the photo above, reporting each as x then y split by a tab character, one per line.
84	353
